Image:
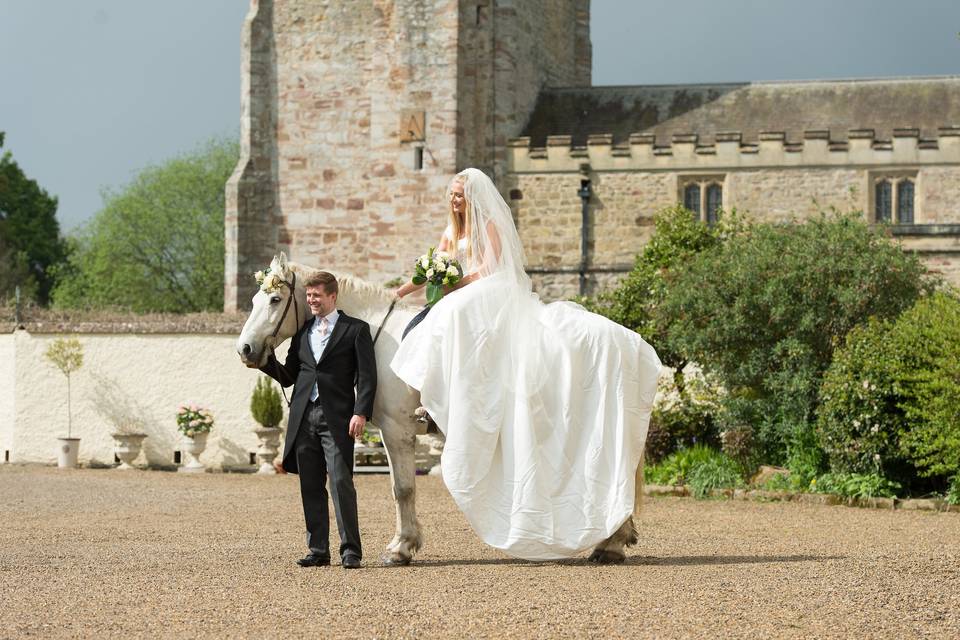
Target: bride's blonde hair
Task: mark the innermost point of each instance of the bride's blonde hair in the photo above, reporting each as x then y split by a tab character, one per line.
460	228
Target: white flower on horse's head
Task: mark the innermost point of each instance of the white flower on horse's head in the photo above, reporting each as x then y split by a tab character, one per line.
271	282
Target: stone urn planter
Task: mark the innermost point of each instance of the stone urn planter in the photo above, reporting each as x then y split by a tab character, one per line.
127	447
67	451
269	438
193	447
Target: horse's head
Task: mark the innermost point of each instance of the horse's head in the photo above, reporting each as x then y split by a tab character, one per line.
279	308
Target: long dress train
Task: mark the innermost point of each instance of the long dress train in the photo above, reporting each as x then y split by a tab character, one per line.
545	419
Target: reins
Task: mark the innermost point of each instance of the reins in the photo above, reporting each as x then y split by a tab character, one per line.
393	303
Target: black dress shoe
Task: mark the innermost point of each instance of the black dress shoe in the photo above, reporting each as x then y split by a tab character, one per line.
314	560
350	562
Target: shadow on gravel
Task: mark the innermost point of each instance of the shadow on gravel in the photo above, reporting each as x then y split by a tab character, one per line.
708	560
634	560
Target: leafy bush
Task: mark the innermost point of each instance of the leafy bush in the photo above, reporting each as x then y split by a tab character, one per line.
764	310
953	491
930	332
685	415
717	472
700	467
891	398
265	404
855	485
676	238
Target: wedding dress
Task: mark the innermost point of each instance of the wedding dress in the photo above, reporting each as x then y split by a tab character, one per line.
544	407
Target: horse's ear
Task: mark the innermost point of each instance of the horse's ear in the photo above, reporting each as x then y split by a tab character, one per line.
282	262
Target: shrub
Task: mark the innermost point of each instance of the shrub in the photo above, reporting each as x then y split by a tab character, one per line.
764	310
855	485
891	398
684	415
700	467
676	238
953	491
265	404
931	387
717	472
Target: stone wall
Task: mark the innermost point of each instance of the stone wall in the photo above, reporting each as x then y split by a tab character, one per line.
202	369
771	181
327	173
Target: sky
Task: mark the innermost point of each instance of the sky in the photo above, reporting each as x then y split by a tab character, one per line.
92	91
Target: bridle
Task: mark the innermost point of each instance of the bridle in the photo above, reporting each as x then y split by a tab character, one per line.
296	316
292	298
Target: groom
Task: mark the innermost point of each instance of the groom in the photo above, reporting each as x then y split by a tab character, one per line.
330	355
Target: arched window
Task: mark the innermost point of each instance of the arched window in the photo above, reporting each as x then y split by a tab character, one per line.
884	201
714	202
691	199
905	202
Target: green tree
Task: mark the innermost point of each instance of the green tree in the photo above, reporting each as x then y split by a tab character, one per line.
677	237
764	311
157	245
30	242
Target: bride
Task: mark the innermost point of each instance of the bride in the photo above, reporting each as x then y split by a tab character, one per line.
544	406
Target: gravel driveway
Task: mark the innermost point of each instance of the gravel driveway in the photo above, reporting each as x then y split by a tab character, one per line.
136	554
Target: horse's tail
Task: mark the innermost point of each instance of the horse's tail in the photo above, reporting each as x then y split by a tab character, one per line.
638	487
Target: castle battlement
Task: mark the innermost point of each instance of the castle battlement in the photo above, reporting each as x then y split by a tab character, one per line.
647	152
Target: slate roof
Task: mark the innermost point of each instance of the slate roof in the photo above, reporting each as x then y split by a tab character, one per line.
885	104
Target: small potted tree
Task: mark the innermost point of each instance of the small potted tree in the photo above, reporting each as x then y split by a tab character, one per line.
267	410
194	423
125	416
66	354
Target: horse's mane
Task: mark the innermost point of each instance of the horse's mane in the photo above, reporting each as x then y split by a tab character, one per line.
365	292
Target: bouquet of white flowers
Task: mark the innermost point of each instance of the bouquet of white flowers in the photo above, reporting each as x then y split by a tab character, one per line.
192	420
436	269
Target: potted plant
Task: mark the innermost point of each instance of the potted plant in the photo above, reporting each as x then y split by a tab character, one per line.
194	423
267	410
66	354
126	417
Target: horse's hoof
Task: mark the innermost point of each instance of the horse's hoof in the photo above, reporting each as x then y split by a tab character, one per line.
606	557
394	560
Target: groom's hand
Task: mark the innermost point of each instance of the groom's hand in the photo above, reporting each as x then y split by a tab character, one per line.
357	425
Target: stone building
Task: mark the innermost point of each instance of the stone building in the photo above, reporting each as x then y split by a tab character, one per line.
356	114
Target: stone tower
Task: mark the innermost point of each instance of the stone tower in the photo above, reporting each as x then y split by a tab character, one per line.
356	113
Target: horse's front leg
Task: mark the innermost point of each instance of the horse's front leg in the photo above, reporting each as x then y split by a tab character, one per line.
399	438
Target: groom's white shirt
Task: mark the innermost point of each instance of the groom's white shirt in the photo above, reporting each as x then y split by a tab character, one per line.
318	344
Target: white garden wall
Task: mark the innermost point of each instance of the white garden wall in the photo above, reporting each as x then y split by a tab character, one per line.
160	371
7	394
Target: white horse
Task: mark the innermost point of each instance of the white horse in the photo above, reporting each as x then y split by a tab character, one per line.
276	317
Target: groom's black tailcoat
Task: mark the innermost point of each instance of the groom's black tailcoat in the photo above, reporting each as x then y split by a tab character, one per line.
346	377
